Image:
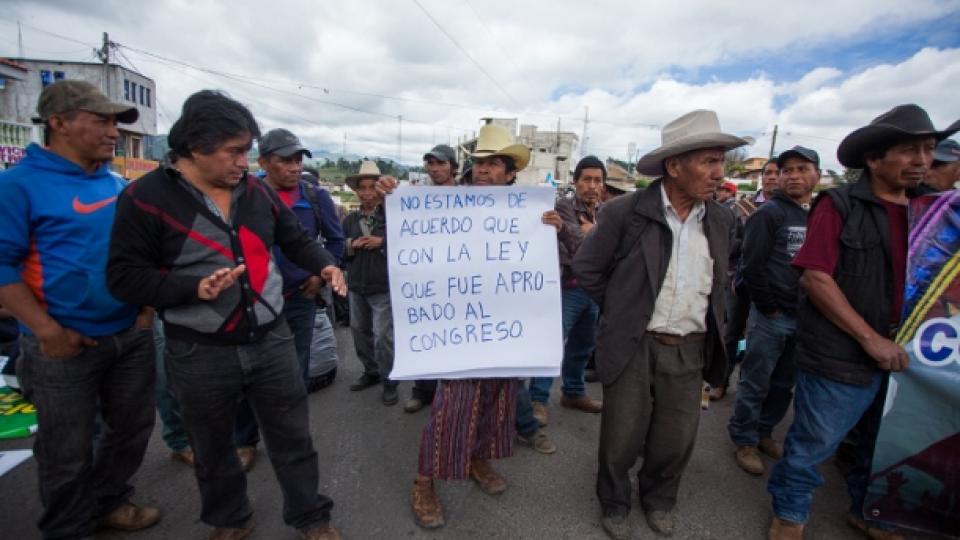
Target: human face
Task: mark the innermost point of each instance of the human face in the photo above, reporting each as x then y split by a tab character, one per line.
223	168
697	174
770	180
84	137
367	193
798	177
943	177
282	172
491	171
440	172
589	186
905	164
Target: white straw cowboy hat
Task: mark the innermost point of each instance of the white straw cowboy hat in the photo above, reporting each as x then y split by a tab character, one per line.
494	140
693	131
368	169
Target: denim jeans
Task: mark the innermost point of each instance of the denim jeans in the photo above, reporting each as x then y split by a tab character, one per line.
83	476
527	425
371	323
299	312
579	338
173	433
738	310
767	377
209	381
824	411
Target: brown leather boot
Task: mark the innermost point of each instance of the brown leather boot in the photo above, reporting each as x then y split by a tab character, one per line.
771	447
782	529
231	533
130	517
748	458
183	456
427	511
583	403
540	413
489	481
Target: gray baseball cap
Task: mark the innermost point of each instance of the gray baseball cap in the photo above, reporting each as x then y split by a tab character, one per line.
443	152
801	152
947	151
282	143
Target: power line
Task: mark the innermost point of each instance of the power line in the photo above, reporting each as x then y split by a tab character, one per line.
465	53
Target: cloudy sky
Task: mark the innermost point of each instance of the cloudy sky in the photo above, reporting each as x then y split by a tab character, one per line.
335	70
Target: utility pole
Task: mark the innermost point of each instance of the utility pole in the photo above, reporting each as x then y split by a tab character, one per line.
20	40
343	150
586	122
399	142
773	143
104	54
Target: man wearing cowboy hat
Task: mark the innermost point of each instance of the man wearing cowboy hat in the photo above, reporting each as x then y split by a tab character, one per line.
85	353
656	262
447	451
371	317
854	277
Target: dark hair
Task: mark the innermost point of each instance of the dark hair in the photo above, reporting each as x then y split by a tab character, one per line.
769	161
589	162
879	149
48	133
208	119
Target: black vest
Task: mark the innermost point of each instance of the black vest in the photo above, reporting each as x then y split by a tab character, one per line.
865	275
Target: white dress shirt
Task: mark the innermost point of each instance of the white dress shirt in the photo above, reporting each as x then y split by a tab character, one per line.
682	302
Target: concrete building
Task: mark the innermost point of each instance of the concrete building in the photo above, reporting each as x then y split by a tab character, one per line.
551	152
753	168
25	78
15	134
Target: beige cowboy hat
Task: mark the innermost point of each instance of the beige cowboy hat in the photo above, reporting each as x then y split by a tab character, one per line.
693	131
368	169
494	140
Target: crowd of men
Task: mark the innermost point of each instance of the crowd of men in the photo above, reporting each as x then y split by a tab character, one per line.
197	290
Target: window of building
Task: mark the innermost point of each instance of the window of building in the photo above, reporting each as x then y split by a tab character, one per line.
133	91
142	94
136	148
126	89
58	76
148	98
46	78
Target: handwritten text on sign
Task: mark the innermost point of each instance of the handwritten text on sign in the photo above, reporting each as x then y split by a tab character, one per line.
474	282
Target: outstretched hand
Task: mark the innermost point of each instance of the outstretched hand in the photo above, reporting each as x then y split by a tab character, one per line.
332	275
211	286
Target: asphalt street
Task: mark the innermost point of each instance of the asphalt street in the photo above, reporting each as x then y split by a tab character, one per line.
368	459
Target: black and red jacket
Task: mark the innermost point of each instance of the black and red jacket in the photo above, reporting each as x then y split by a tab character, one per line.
166	239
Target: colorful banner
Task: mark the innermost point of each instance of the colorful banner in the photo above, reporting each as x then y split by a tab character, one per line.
915	481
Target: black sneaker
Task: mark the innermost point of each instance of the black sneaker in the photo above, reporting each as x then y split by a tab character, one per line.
390	395
365	381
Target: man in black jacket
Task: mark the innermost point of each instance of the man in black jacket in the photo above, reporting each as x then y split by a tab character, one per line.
371	315
193	239
853	276
771	239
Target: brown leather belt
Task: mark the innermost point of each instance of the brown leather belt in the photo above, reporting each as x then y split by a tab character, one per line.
672	339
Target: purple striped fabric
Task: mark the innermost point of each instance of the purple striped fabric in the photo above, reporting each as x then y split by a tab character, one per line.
469	419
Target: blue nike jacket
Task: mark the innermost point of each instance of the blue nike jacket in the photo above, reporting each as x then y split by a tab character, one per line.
55	222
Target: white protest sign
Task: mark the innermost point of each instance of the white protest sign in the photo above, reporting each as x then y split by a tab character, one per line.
474	282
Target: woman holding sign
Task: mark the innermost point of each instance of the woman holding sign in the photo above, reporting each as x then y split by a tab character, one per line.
471	420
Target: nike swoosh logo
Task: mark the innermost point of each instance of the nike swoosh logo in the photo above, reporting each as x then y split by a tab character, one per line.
89	208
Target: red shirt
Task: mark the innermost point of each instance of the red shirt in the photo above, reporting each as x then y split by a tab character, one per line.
822	248
289	196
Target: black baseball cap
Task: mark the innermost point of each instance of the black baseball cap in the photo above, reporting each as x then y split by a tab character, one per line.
282	143
443	152
801	152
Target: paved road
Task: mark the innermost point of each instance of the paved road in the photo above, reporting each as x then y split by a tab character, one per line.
368	457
